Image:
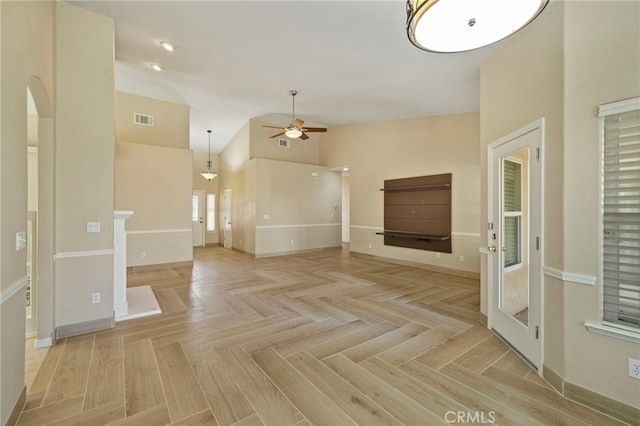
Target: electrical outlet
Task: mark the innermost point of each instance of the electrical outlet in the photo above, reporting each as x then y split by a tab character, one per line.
95	298
634	368
143	254
461	258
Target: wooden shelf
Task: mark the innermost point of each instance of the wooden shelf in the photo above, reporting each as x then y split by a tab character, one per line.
417	213
414	236
418	188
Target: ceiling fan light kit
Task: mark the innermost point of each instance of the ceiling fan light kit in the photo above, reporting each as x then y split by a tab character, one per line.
295	129
293	133
209	174
449	26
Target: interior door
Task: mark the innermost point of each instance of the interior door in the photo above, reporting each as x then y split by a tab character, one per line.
31	298
515	251
226	219
197	217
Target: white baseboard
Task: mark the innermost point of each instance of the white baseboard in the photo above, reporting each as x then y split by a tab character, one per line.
43	343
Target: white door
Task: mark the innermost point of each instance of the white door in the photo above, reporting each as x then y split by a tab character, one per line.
197	217
32	274
226	219
515	246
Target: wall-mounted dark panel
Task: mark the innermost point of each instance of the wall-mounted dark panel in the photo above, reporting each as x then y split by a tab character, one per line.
417	212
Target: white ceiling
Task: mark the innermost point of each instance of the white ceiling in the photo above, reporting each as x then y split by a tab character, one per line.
350	61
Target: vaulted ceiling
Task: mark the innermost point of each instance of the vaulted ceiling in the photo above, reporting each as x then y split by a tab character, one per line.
350	61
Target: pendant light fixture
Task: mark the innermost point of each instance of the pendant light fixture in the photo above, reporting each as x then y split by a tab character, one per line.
209	174
448	26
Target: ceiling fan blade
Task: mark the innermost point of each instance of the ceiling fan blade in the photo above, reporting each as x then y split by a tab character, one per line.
314	129
297	123
273	127
304	137
279	134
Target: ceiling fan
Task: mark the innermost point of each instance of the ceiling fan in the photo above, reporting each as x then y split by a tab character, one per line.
295	129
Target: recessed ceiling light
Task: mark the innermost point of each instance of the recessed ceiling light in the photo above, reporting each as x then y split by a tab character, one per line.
156	67
345	169
167	46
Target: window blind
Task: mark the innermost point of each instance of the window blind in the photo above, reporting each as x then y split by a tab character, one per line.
512	207
621	217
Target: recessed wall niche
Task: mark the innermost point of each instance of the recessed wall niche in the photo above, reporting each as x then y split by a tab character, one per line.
417	213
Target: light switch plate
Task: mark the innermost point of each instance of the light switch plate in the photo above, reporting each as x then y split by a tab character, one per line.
21	240
93	226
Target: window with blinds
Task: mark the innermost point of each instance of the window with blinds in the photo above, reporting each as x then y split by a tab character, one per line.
621	213
512	212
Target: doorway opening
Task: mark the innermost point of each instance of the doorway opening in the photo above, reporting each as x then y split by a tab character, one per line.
31	294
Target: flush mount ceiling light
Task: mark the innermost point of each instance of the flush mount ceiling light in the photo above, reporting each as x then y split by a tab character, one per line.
209	174
447	26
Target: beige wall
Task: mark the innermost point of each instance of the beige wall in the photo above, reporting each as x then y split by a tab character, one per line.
171	121
575	56
406	148
259	174
154	178
36	38
236	153
298	207
234	167
242	183
209	187
85	140
602	64
528	73
155	183
301	151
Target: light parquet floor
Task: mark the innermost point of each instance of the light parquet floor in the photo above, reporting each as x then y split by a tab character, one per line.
319	338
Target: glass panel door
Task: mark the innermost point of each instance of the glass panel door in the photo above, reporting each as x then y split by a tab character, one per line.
514	291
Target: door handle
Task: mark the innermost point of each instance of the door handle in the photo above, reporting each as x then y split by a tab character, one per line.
492	249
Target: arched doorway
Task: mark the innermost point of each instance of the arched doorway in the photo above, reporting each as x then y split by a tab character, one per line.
41	108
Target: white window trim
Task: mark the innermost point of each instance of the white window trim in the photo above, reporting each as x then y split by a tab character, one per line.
616	331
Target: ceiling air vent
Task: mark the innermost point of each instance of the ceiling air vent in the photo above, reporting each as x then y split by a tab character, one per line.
143	119
284	143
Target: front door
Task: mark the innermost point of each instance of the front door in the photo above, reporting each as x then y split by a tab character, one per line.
514	231
197	215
